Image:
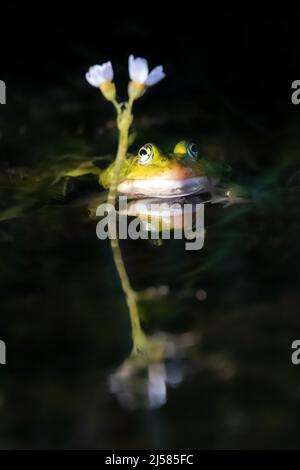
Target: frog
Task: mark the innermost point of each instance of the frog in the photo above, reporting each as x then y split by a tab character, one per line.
152	173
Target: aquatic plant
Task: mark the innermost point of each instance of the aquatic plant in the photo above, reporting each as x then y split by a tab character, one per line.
101	76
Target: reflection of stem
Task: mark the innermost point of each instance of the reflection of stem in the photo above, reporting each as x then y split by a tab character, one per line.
124	123
138	335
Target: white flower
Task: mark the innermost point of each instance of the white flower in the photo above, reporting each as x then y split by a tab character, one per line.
100	74
139	71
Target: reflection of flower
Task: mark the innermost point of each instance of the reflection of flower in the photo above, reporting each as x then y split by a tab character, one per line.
141	381
101	76
140	76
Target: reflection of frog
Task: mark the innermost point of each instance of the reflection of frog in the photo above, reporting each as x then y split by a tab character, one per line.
174	213
152	173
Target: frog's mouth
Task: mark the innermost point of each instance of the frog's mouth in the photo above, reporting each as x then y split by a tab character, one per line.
164	188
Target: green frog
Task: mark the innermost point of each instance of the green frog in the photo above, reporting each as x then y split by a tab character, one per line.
152	173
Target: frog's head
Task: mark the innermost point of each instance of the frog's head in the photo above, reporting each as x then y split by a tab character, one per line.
215	168
152	173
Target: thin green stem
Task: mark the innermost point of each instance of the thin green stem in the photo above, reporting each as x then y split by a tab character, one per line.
124	120
117	106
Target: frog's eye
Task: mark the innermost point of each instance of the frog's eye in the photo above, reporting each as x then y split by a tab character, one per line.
192	151
145	154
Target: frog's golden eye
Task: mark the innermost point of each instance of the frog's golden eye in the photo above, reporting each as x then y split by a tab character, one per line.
145	154
184	148
192	151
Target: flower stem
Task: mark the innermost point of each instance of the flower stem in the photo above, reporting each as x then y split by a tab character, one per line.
124	120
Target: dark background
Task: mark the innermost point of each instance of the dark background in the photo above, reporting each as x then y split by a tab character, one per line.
245	57
63	314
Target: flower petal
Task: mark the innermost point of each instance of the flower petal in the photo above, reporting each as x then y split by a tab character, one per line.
155	76
99	74
131	66
107	71
138	69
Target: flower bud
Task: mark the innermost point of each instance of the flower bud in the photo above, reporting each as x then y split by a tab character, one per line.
108	90
136	89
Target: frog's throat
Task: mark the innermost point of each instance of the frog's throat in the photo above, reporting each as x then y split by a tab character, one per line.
163	187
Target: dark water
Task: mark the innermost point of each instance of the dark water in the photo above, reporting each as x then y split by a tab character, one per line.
231	312
227	314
